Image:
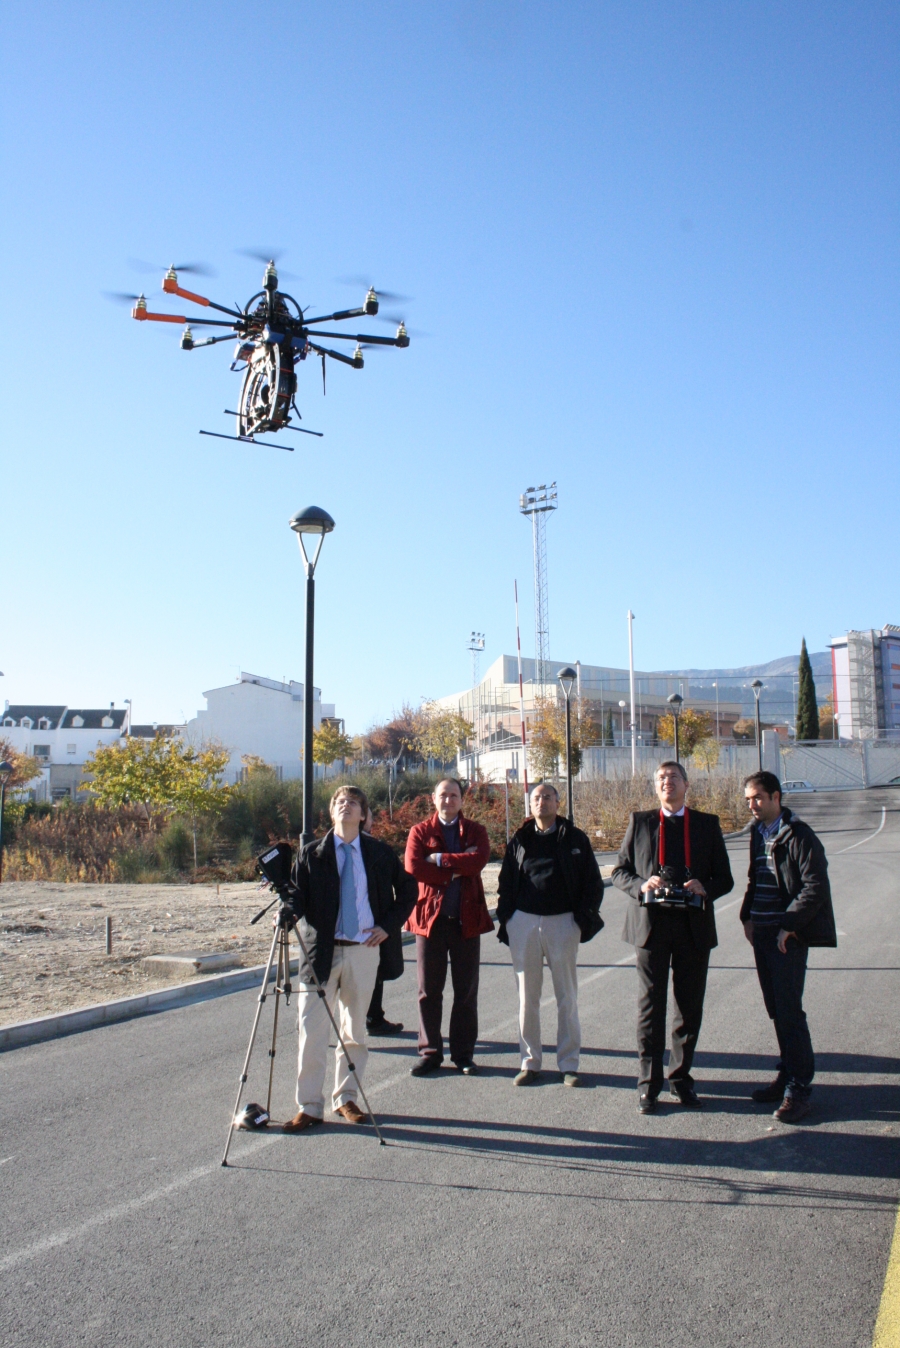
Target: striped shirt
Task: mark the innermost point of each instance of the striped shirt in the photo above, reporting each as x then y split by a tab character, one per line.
768	904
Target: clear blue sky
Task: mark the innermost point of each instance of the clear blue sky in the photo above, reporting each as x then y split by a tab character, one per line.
655	246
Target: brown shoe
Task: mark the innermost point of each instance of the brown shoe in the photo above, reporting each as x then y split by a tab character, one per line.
352	1112
300	1122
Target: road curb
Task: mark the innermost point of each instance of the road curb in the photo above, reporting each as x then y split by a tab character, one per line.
35	1031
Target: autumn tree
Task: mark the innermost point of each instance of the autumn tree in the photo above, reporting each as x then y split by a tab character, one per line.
705	752
693	727
807	711
330	743
24	768
827	723
442	734
195	784
547	736
389	741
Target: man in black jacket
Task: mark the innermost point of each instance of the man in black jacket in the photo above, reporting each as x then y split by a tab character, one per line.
677	933
786	909
550	892
350	893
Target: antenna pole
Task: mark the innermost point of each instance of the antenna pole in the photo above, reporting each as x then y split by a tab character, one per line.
521	701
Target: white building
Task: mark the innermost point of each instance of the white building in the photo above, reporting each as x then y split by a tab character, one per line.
61	738
258	716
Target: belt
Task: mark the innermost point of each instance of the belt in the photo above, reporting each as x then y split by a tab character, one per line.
337	941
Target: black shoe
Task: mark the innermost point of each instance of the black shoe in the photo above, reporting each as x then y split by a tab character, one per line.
426	1066
466	1066
793	1108
647	1102
384	1026
767	1095
685	1095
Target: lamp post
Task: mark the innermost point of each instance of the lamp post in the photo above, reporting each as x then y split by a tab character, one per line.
567	677
622	705
318	523
756	685
6	771
716	686
675	700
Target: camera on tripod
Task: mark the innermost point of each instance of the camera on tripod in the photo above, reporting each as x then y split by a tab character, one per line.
670	893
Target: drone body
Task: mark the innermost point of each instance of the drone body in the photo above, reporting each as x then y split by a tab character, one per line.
274	335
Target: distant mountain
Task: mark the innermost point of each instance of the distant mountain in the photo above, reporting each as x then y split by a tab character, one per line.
786	664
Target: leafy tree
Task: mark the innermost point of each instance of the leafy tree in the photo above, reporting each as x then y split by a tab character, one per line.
807	711
547	737
706	753
389	741
195	784
330	744
24	768
693	727
827	723
443	732
133	772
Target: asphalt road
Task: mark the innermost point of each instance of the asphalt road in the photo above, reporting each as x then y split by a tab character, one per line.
495	1215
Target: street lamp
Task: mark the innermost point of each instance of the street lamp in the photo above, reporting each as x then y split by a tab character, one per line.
318	523
756	685
6	771
716	686
567	677
675	700
622	705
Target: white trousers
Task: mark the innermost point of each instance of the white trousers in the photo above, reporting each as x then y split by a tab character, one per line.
531	939
348	992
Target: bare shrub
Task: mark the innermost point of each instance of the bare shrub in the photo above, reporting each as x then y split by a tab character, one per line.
602	807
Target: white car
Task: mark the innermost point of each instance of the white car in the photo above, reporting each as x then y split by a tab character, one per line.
797	786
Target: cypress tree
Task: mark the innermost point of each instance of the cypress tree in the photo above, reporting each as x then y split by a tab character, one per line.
807	711
609	736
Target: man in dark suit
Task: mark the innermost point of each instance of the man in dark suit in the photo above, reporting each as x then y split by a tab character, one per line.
350	894
666	934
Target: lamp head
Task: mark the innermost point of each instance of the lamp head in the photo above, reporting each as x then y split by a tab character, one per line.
6	771
675	700
756	685
312	520
567	677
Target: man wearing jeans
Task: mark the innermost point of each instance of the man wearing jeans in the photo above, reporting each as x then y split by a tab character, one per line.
549	902
786	909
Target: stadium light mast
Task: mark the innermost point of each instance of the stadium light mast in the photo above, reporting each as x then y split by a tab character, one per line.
538	502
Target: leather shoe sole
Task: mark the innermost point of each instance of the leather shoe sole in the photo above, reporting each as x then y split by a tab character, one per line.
300	1122
352	1113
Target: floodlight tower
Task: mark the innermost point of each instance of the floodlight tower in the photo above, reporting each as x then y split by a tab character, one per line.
476	646
538	502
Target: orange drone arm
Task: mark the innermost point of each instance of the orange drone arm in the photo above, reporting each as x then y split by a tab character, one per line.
142	316
173	288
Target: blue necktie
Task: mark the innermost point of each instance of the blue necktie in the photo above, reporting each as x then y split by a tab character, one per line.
348	919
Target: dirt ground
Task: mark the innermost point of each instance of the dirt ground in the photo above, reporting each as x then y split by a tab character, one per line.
53	938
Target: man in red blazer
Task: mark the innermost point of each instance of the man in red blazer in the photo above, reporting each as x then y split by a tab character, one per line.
447	854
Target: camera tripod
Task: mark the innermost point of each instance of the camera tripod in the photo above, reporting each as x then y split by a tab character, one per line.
280	956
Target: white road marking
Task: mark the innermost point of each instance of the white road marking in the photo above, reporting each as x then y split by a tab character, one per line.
870	837
7	1158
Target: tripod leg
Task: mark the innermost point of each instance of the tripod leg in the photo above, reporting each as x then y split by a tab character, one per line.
279	988
242	1081
334	1025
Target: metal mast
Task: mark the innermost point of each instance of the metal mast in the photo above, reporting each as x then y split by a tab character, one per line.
538	502
476	646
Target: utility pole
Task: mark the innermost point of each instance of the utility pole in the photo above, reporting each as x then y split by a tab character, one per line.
631	682
538	502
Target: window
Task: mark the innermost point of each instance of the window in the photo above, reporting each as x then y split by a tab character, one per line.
42	751
77	722
71	748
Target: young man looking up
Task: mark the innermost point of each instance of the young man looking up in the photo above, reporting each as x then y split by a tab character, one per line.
691	847
786	909
550	894
350	894
447	854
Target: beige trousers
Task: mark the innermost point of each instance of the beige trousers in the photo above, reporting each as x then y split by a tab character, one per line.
348	992
531	940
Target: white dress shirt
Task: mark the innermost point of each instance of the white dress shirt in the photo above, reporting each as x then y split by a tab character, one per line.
363	907
672	814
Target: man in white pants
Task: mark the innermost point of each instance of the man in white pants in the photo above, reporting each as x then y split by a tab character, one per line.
550	893
350	892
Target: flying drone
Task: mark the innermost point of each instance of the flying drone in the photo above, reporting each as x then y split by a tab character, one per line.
274	335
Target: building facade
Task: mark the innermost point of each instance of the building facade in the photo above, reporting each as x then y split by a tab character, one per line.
257	717
61	739
865	676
